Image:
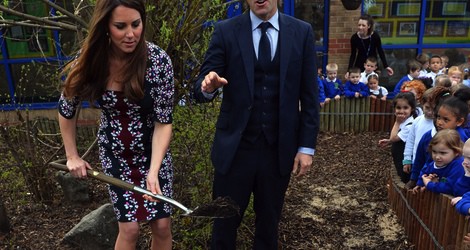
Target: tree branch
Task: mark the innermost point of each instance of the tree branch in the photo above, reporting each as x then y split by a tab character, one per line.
39	19
67	13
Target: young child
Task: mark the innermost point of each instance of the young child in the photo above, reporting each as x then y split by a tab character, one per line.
435	67
354	88
443	80
421	125
462	185
417	88
462	201
376	91
423	59
445	62
413	68
404	105
333	87
451	113
455	75
369	67
445	169
466	74
321	92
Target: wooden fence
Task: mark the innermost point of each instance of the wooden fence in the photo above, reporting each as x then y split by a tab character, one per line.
357	115
429	219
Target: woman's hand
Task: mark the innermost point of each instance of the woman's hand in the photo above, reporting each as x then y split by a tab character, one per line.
77	166
389	71
152	185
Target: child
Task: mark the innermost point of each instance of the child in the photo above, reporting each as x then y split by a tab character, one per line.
435	67
462	201
462	185
445	169
421	125
333	86
451	113
376	91
445	62
466	74
417	88
404	105
413	68
369	67
443	80
423	59
455	75
354	88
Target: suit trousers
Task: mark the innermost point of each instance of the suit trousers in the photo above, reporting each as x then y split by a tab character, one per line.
255	169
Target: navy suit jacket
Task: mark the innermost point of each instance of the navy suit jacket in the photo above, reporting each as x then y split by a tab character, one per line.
232	56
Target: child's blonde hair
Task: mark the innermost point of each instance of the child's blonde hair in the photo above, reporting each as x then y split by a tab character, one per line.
454	69
448	137
443	80
332	67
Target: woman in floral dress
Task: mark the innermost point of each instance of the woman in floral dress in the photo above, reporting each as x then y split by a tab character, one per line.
131	80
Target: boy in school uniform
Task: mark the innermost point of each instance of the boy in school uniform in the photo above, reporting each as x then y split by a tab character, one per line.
414	68
369	67
435	65
333	86
354	88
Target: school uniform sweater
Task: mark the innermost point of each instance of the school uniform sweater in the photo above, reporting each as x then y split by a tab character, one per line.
350	89
448	176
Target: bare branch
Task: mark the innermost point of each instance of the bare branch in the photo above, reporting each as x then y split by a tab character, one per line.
67	13
39	19
9	23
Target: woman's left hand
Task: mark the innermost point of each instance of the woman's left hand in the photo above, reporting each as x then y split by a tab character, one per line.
389	71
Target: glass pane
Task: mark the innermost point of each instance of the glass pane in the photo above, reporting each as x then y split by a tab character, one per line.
397	22
35	82
397	60
313	12
447	22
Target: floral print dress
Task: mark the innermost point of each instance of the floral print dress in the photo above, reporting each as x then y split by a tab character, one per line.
125	138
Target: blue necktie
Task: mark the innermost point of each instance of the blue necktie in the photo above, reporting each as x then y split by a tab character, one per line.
264	49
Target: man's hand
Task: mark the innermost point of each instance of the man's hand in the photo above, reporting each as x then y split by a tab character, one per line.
212	81
302	164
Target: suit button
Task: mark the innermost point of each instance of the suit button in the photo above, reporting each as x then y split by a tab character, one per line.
264	88
250	107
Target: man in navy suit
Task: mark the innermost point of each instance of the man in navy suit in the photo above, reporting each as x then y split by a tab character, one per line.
269	117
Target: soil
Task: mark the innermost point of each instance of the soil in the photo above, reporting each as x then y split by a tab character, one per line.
340	204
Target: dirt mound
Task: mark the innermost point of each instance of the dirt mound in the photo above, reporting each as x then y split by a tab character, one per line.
340	204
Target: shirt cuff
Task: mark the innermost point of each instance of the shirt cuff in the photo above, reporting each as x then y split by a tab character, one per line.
308	151
210	95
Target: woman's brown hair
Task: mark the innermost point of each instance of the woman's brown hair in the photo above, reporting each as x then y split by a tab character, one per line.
88	74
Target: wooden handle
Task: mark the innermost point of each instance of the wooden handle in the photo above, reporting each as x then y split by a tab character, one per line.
60	164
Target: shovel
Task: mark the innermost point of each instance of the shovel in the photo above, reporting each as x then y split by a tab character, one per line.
222	207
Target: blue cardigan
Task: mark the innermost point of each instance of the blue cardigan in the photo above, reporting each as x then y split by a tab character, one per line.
350	89
333	89
447	175
464	204
422	155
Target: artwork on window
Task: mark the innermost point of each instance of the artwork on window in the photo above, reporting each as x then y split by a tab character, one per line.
384	29
407	29
454	8
376	10
405	9
457	28
434	28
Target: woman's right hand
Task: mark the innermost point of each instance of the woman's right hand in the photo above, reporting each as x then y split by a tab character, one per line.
77	166
346	76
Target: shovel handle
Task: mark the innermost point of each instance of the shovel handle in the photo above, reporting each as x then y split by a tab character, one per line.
60	165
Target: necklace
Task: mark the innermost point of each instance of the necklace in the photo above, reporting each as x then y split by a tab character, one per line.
364	46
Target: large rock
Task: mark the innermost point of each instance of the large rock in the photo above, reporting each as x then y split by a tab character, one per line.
75	189
98	230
